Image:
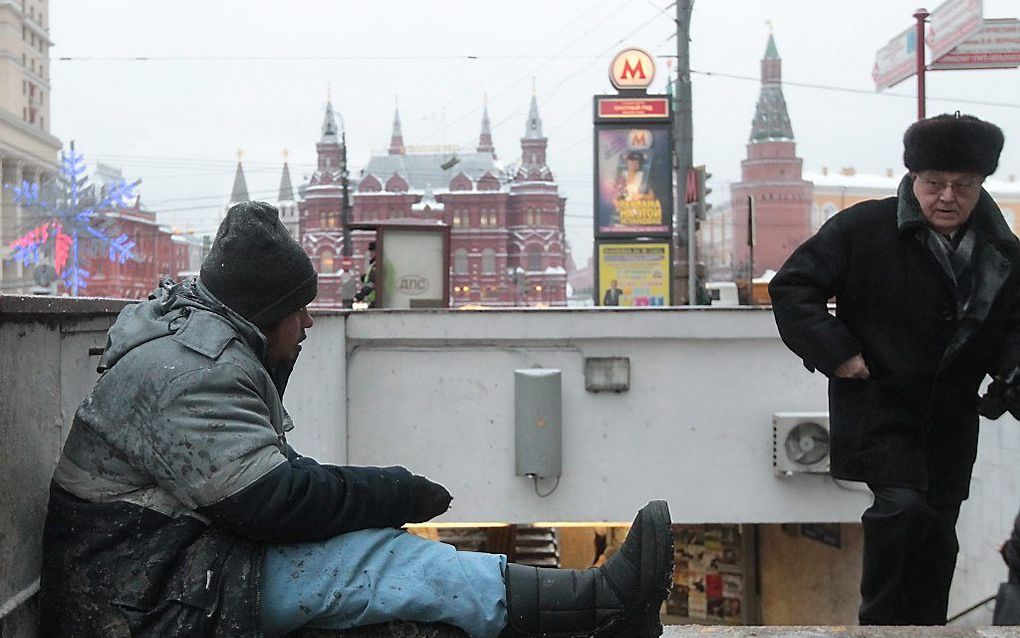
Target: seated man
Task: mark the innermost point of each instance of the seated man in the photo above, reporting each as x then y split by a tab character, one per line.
178	508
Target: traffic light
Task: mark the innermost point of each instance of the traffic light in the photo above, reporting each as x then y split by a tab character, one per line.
701	205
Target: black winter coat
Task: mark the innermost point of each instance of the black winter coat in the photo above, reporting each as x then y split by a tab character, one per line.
915	422
176	474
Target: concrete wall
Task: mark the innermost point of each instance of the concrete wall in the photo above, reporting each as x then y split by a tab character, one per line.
434	391
316	395
804	582
45	371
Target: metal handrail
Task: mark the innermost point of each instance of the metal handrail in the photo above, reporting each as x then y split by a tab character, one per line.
982	602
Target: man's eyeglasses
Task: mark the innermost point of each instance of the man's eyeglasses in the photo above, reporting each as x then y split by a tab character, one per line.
937	186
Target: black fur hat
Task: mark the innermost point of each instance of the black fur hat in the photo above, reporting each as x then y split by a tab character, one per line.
256	268
957	143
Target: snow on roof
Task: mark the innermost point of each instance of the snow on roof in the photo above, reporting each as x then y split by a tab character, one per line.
857	180
422	169
886	183
428	200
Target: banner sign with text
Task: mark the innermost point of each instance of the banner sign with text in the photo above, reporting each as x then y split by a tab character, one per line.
951	24
633	108
633	165
634	185
995	46
633	274
896	61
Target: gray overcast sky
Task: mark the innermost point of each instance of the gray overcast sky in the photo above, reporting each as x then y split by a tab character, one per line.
253	74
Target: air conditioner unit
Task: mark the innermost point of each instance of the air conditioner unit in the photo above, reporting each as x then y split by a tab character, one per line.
800	443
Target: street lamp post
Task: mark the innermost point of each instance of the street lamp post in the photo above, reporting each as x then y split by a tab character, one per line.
920	15
345	209
519	285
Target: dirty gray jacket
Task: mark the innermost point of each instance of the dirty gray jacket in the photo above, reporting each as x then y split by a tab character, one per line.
176	474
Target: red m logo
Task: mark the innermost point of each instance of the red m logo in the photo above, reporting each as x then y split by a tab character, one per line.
636	71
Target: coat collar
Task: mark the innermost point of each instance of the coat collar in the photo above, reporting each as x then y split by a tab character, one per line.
991	265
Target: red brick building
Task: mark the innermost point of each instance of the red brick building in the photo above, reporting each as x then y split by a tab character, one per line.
771	176
507	239
156	255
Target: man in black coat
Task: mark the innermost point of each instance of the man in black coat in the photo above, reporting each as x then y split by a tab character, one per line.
927	289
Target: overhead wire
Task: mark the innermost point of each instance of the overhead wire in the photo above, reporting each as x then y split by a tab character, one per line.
225	163
846	89
517	112
549	95
498	72
254	166
181	162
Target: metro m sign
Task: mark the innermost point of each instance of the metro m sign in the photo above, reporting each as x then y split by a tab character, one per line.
632	69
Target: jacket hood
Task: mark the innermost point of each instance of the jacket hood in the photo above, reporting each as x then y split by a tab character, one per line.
164	313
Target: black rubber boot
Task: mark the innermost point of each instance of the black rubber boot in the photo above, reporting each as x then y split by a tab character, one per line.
620	598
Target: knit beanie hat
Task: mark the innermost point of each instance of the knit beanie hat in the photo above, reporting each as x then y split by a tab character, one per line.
256	268
953	142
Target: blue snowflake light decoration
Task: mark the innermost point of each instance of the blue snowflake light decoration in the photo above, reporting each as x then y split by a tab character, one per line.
70	216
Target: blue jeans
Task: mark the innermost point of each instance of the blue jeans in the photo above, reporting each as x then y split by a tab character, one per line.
377	575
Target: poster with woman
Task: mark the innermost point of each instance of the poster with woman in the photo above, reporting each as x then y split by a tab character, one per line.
634	194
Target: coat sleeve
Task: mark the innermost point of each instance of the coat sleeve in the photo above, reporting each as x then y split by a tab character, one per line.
1007	352
213	447
800	291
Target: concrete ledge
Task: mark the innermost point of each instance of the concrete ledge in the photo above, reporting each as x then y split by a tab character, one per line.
30	307
697	631
412	630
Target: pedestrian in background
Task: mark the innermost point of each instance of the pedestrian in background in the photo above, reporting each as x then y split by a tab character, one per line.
368	292
927	290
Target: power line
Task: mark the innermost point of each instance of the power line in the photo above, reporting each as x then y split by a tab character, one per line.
304	58
846	89
662	10
532	72
524	76
193	161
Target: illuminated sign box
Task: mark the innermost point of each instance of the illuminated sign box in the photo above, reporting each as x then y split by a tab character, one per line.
633	273
634	180
633	108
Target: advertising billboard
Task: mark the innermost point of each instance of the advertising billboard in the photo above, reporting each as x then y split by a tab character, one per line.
633	274
634	187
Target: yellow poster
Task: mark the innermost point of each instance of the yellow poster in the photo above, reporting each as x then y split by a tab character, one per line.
633	274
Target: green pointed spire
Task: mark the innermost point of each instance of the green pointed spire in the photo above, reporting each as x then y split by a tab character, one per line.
771	118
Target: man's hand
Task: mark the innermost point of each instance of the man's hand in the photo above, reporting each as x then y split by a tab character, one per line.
430	500
853	368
